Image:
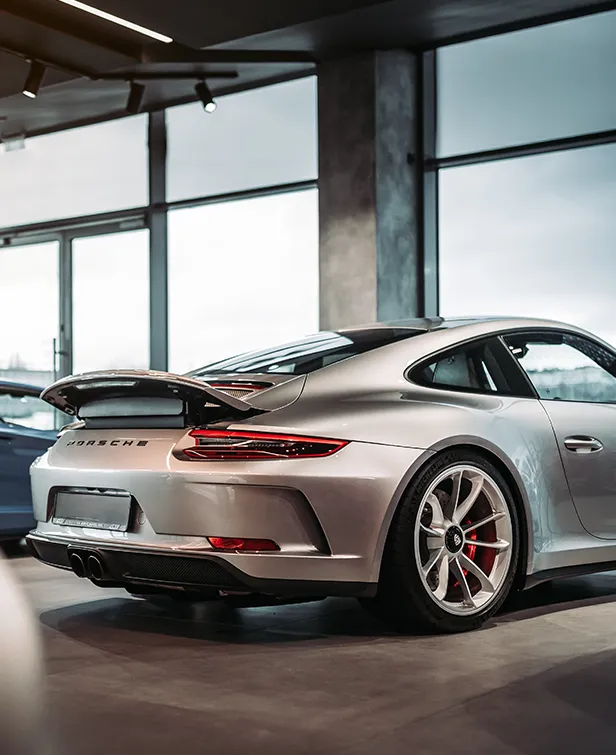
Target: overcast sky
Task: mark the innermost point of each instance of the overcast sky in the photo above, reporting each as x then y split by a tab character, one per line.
532	236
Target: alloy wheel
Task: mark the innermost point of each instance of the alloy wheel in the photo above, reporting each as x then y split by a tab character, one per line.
463	540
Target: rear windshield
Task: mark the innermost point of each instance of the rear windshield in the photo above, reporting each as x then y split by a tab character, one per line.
309	354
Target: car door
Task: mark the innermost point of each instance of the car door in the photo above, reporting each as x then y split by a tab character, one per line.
575	379
26	432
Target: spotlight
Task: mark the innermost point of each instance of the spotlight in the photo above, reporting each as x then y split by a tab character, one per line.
34	80
135	97
205	95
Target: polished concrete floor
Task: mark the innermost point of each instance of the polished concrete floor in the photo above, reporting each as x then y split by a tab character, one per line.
127	677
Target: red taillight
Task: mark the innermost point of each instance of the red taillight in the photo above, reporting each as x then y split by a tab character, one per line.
227	445
242	544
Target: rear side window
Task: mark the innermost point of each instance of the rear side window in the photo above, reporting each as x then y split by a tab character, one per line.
475	367
308	355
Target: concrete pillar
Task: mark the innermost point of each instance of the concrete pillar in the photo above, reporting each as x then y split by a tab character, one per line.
368	189
157	223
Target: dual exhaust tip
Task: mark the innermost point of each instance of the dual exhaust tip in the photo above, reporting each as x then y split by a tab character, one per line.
87	566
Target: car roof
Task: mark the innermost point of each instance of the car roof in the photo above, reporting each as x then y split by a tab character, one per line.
428	324
9	385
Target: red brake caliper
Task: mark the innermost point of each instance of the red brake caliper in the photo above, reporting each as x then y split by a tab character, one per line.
470	550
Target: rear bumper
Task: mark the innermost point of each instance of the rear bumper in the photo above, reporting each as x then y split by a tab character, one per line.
329	516
139	566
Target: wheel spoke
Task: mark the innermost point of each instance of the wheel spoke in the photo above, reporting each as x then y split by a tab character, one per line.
467	504
443	578
498	545
435	543
432	531
467	596
472	567
476	525
438	518
454	498
429	565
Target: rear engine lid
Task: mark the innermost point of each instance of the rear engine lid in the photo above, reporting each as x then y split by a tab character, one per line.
140	393
241	386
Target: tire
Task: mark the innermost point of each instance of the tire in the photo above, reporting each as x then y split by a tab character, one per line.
453	595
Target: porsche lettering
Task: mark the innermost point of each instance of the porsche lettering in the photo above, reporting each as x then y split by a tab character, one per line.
118	442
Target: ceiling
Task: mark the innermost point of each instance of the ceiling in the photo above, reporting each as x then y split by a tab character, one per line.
235	44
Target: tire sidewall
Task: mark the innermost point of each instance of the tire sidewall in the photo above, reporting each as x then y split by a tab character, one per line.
401	588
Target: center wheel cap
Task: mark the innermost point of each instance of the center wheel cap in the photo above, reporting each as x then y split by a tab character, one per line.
454	539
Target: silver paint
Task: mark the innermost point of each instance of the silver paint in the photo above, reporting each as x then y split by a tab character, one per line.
331	515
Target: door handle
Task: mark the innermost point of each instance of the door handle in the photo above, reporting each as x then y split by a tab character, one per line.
583	444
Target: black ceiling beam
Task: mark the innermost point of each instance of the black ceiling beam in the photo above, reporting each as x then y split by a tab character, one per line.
30	54
164	75
72	22
177	53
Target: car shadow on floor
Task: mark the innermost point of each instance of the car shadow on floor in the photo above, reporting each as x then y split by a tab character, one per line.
217	622
315	622
559	595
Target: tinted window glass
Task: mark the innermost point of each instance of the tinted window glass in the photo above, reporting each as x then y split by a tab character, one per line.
473	367
566	367
308	355
28	411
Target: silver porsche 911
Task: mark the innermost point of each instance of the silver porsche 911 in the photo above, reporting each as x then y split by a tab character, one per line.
427	467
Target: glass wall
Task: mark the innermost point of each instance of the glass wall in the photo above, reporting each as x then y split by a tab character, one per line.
544	83
29	312
263	137
82	171
530	235
242	275
111	298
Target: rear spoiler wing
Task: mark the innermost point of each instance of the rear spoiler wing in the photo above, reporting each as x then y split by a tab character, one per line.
121	387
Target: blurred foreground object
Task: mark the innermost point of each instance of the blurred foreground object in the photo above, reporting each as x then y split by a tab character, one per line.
21	672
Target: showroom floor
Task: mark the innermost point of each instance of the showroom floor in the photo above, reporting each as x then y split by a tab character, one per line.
324	678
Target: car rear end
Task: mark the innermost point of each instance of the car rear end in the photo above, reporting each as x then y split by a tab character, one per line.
162	485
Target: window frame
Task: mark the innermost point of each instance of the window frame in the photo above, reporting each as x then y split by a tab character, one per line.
519	385
542	332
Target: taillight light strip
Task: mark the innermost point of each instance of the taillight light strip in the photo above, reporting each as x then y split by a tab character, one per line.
228	445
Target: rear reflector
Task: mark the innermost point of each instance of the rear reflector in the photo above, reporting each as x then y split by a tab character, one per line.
242	544
228	445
